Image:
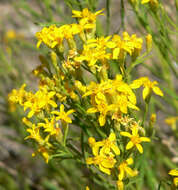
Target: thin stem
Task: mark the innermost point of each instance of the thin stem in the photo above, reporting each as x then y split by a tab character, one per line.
145	114
108	16
65	133
122	15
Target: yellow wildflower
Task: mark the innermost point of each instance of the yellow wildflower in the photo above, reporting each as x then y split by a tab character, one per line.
148	87
86	15
38	101
87	188
105	145
125	170
18	96
51	36
110	144
62	115
35	134
44	152
105	163
171	121
135	139
92	55
174	172
129	44
102	107
50	126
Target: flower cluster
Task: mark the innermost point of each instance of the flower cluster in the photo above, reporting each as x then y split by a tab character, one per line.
41	105
78	85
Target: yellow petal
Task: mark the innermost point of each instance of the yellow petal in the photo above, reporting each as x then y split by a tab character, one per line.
145	1
30	114
38	44
129	161
136	84
115	149
140	148
130	172
89	160
135	131
126	134
61	108
95	150
70	112
121	174
144	139
76	13
112	137
157	91
173	172
102	120
92	110
129	145
146	92
105	170
53	104
116	53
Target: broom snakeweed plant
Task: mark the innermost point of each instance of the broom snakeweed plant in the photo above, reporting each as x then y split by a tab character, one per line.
78	89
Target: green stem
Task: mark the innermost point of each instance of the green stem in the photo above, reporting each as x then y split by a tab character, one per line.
145	114
108	16
66	129
122	15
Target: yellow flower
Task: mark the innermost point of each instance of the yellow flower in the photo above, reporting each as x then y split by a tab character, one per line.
94	145
35	134
105	163
102	107
91	55
174	172
125	170
135	139
18	96
38	101
62	115
106	145
51	36
44	152
87	188
148	87
172	122
110	144
85	14
50	126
